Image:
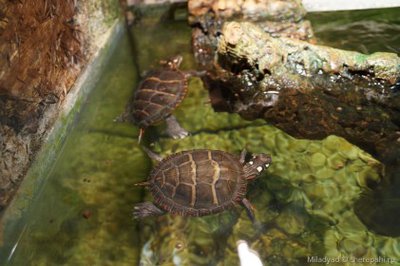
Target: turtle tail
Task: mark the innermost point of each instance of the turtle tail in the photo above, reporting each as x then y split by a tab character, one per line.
141	132
142	184
124	117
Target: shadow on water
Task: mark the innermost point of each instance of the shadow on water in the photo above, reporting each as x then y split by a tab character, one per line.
379	207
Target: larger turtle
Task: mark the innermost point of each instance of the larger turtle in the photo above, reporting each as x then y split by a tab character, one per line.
200	182
157	95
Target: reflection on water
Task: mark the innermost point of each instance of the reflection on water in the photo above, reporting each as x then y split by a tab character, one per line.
363	31
304	203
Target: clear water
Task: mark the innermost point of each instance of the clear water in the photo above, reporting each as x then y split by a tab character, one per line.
363	31
303	204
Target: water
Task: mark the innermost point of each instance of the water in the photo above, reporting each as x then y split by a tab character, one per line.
303	203
364	31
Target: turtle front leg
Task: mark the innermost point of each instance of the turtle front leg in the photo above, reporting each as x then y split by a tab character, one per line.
243	156
195	73
174	129
249	209
152	154
145	209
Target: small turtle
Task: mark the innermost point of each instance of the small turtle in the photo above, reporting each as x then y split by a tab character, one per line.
157	95
200	182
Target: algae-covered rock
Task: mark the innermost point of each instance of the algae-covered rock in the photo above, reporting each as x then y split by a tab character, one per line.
174	240
278	18
301	183
247	41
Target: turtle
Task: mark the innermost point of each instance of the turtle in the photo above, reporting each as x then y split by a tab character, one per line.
200	182
157	96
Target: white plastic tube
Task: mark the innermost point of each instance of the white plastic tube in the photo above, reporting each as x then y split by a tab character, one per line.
247	256
329	5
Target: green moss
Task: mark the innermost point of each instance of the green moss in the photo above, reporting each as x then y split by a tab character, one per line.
111	10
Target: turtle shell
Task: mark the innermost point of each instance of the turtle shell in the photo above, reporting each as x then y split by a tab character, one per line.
198	182
160	92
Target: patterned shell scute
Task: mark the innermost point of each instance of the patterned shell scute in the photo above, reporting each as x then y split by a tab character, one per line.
198	182
158	95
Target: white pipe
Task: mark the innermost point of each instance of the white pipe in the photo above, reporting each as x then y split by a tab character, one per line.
247	256
310	5
337	5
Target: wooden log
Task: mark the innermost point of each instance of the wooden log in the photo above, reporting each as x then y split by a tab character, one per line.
309	91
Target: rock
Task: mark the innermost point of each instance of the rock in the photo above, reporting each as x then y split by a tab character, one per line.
279	18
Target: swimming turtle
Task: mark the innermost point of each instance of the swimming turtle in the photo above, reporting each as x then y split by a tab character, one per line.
157	95
200	182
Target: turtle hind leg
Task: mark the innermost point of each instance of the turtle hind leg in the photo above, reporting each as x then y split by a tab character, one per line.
145	209
243	156
174	129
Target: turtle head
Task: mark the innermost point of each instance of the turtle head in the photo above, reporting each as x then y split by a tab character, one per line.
173	62
256	165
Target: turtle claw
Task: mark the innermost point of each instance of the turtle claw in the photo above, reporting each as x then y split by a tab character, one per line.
174	129
152	155
181	134
145	209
